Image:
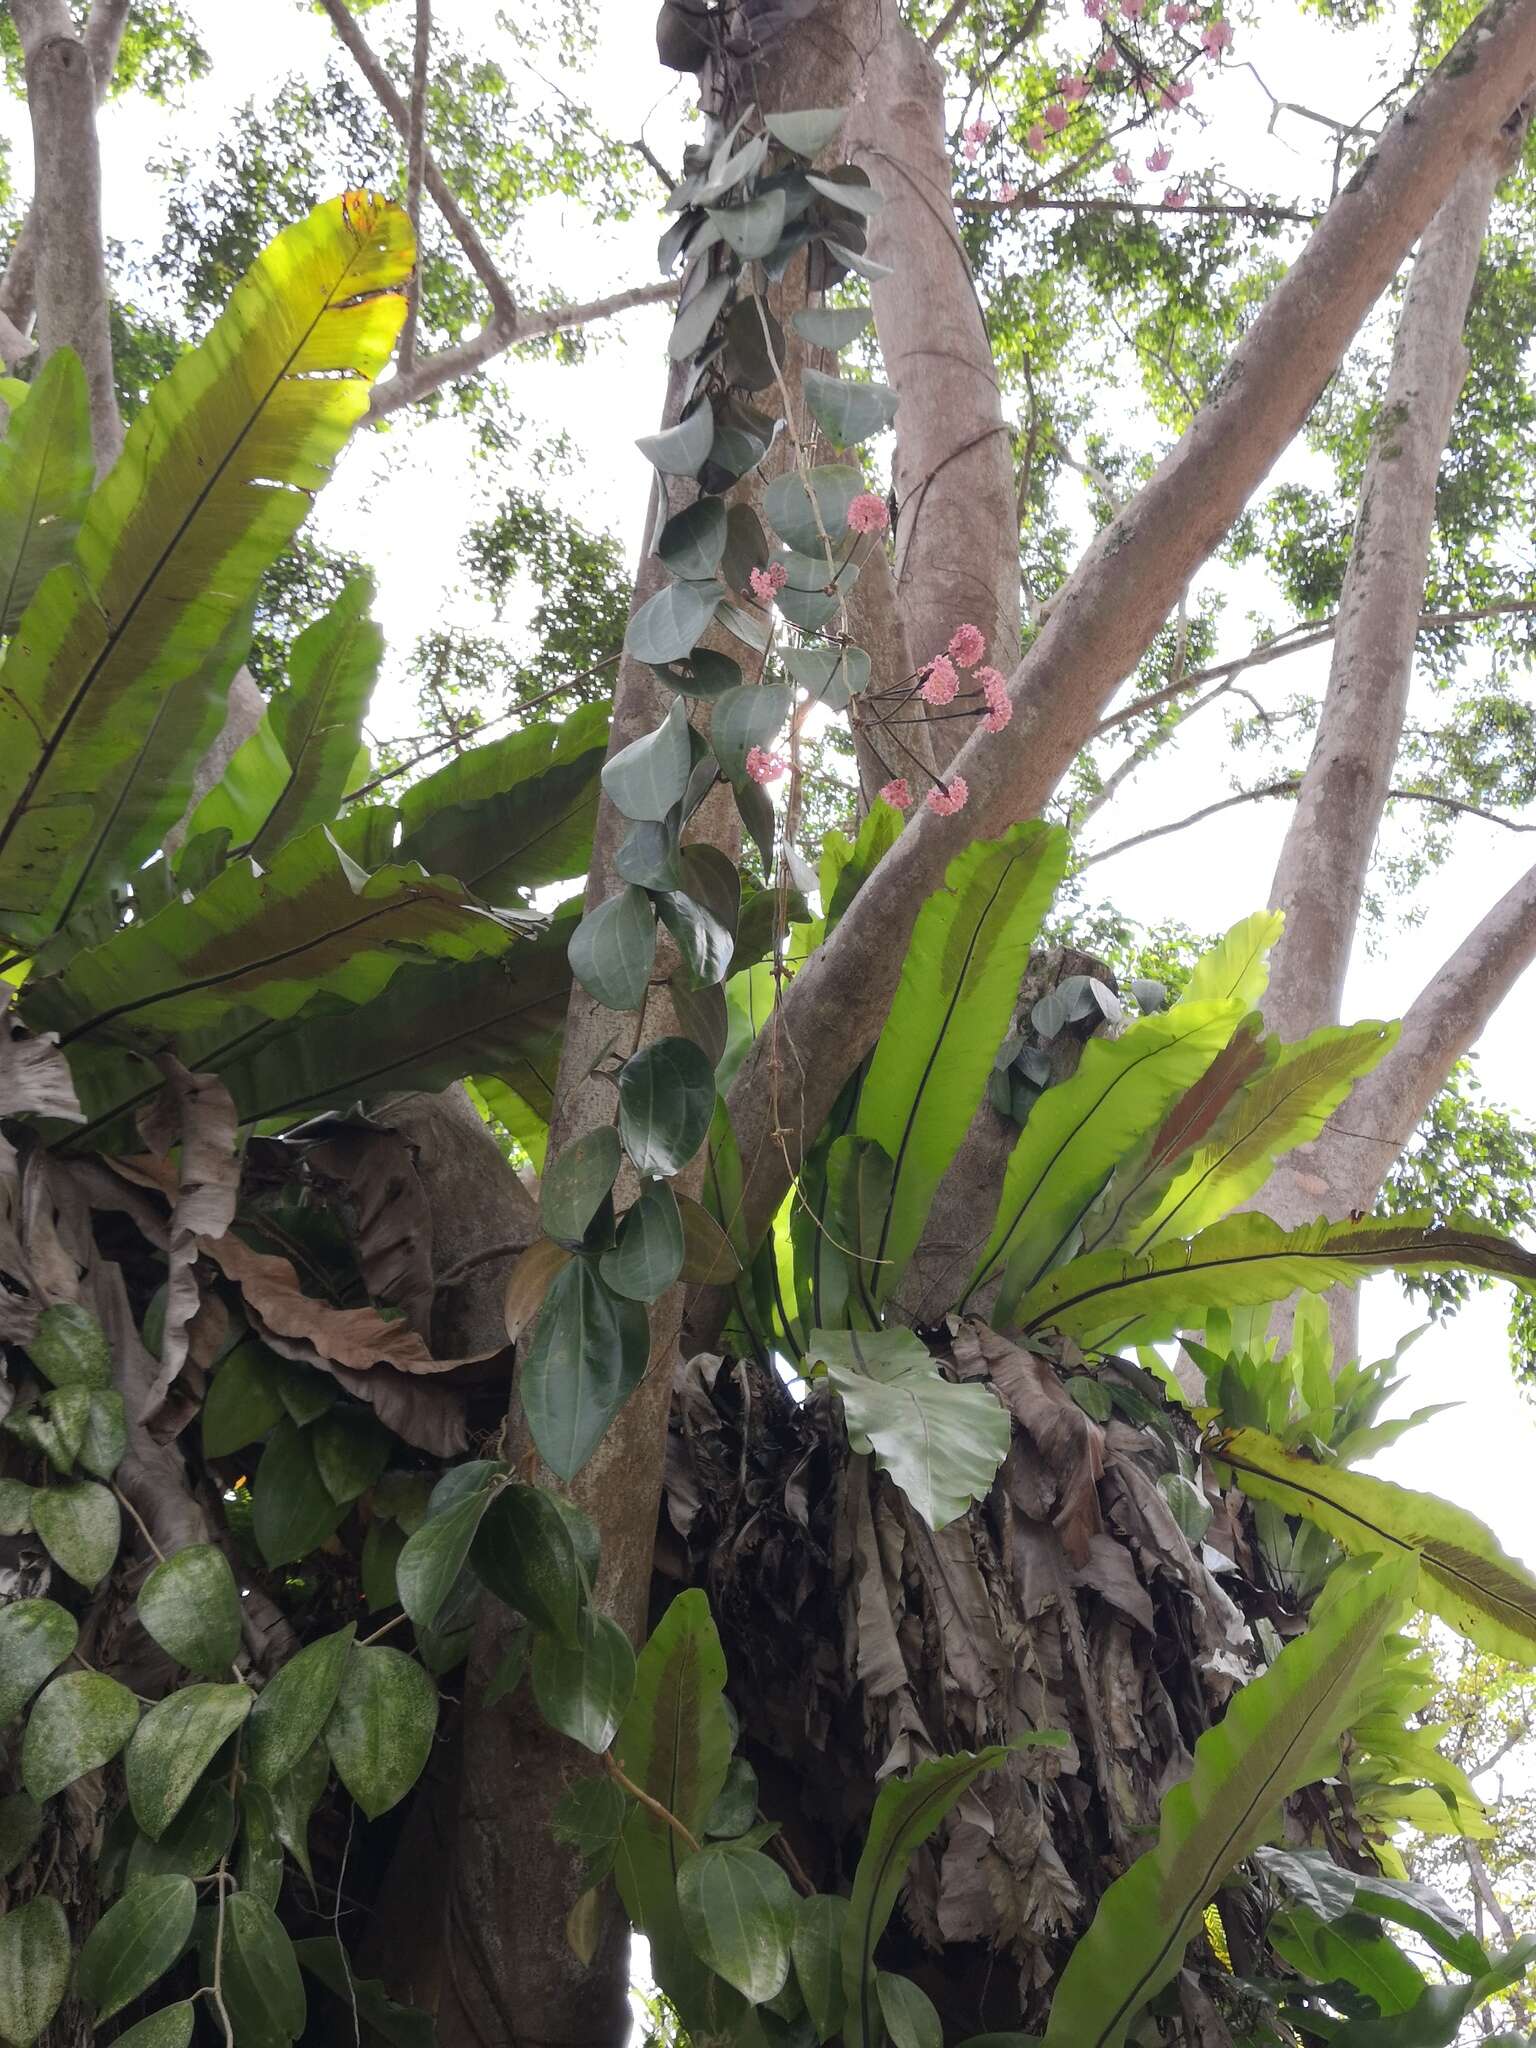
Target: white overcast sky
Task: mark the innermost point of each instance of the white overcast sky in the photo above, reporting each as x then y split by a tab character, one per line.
401	503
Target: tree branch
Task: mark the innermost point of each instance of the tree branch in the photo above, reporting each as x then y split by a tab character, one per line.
1320	875
415	171
73	309
1246	209
464	230
1131	577
431	373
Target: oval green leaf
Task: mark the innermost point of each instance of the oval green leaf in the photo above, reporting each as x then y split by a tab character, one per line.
738	1912
294	1707
35	1638
262	1985
648	1256
190	1604
135	1942
817	1948
196	1840
34	1969
666	1099
575	1184
81	1722
679	450
588	1354
693	541
752	716
293	1512
433	1558
174	1744
80	1528
908	2012
381	1727
526	1553
244	1399
171	2027
70	1348
585	1690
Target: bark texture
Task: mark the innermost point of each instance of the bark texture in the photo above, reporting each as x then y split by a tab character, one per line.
1133	574
1320	877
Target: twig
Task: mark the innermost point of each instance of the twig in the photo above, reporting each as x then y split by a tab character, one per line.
951	18
143	1526
627	1784
1033	202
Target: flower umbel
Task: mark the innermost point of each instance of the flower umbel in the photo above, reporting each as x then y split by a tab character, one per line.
897	793
994	687
940	681
765	767
1160	158
767	583
967	645
945	802
868	514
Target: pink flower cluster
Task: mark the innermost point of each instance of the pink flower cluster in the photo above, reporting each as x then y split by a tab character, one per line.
967	644
1124	175
1216	38
767	583
945	802
868	514
1179	15
1160	158
897	793
994	689
1073	88
1095	9
765	767
1175	195
975	135
1035	140
940	681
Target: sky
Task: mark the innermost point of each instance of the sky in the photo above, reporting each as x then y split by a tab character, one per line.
401	501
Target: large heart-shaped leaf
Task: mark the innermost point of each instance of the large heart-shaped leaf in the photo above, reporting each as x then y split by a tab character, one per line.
588	1355
800	509
679	450
613	949
668	625
848	412
645	779
294	1512
693	541
806	130
666	1099
752	716
831	327
754	228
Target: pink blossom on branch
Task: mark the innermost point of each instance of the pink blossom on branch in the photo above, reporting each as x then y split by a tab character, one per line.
940	681
868	513
1124	175
1183	89
994	688
897	793
1179	15
765	767
1107	58
1175	195
945	802
975	135
1160	158
1133	9
1216	37
1035	140
767	583
967	645
1057	116
1072	88
1095	9
1007	194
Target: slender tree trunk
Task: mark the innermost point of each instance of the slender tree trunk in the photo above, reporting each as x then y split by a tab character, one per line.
72	303
1320	877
